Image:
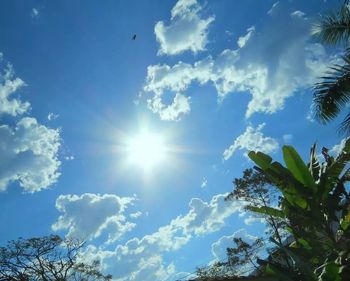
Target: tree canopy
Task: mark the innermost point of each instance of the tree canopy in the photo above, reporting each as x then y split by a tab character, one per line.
47	258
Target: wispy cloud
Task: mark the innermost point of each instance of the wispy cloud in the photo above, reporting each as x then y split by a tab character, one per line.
242	41
135	215
34	13
204	183
52	116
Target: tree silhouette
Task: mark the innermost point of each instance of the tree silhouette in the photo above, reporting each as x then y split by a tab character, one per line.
47	258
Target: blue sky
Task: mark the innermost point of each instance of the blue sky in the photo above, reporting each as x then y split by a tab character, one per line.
209	80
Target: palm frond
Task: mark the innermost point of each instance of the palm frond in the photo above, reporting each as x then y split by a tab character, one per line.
333	92
344	127
334	27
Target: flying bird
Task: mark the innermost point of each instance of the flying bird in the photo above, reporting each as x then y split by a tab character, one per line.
133	37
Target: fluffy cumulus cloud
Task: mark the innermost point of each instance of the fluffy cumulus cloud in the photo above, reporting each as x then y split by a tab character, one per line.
187	30
29	150
28	155
272	63
207	217
142	258
252	139
9	104
90	215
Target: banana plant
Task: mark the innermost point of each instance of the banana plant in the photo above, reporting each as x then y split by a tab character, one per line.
316	208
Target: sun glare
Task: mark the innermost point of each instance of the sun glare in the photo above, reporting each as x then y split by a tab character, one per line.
146	150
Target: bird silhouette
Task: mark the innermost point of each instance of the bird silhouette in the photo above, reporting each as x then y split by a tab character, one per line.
133	37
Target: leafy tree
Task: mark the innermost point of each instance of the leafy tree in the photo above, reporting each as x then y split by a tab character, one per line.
257	190
47	258
254	189
315	210
333	92
241	259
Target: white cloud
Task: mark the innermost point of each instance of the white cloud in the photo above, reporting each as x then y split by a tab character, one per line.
142	258
8	86
135	215
186	31
34	13
219	247
299	14
252	139
52	116
207	217
335	150
310	115
251	219
90	215
184	6
152	268
243	40
69	158
273	8
29	155
180	106
276	62
29	150
204	183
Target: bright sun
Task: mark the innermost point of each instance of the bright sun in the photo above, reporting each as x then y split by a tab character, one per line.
146	150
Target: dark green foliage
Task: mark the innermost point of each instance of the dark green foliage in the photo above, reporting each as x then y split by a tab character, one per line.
316	209
47	258
313	209
334	28
332	93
